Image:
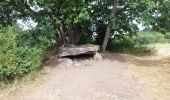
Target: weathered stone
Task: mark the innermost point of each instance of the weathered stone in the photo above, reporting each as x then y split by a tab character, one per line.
78	50
65	63
97	57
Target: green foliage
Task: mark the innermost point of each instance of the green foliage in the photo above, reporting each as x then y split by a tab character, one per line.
70	17
15	61
129	45
160	16
136	44
167	35
148	37
86	38
117	44
39	38
21	52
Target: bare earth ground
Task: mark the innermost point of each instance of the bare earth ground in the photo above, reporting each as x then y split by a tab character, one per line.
116	77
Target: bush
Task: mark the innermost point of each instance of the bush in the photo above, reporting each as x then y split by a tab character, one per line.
167	35
86	38
117	44
148	37
21	52
40	38
129	45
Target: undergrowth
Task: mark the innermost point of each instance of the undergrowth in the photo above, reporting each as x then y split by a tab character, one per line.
21	52
136	44
150	37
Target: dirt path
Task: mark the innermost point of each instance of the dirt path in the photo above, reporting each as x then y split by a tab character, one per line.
116	77
105	80
154	72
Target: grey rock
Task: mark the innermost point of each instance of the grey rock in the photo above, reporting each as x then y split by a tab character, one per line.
97	57
65	63
73	50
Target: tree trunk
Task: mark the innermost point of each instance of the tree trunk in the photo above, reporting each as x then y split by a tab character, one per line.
63	35
74	34
109	25
106	38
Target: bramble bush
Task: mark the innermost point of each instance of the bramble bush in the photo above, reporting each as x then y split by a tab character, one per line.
21	52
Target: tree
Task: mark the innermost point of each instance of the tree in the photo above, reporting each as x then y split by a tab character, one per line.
73	18
158	16
118	16
66	17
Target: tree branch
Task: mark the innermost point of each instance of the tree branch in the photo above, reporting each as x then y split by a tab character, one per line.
119	10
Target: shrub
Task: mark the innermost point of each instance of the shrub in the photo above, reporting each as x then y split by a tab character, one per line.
117	44
167	35
21	52
86	38
129	45
40	38
148	37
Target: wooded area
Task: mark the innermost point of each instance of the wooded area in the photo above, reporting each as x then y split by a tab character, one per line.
65	22
88	49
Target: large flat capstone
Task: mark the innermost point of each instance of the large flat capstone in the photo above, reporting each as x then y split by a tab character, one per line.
73	50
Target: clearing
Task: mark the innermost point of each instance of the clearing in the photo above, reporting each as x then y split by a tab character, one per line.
116	77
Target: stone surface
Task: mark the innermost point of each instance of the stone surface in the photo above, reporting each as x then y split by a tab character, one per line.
97	57
78	50
65	63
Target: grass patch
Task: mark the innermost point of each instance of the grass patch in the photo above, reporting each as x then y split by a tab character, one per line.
139	51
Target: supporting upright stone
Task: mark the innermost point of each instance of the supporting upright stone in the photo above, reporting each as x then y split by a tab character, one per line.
97	57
